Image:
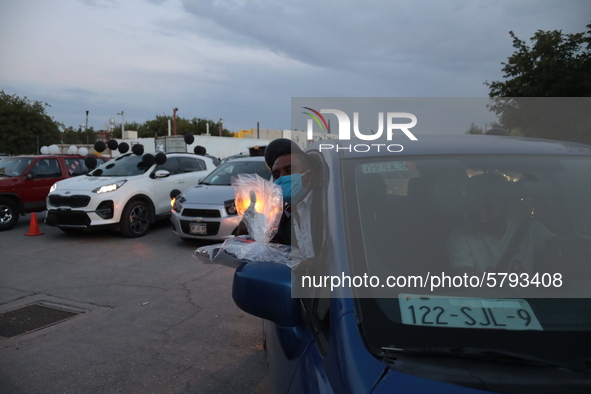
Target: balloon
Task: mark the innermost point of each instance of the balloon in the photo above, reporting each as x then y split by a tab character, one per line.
189	139
72	150
54	150
100	146
160	158
112	144
148	159
83	151
174	193
44	150
199	150
123	147
138	149
90	162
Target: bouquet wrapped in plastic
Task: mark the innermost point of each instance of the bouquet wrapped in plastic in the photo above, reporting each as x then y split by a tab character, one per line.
260	203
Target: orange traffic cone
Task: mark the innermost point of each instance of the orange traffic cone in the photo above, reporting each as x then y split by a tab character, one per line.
34	226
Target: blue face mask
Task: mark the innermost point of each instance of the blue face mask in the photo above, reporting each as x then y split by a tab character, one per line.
293	190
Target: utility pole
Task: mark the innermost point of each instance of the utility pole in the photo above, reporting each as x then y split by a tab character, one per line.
221	126
174	119
122	123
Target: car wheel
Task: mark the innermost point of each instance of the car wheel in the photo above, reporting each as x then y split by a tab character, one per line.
8	214
135	220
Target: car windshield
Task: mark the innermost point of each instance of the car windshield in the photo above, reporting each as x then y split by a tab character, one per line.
14	166
224	173
126	165
417	218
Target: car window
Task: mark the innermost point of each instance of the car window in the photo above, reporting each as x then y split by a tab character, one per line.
127	165
190	164
405	218
223	174
76	166
46	168
171	165
14	166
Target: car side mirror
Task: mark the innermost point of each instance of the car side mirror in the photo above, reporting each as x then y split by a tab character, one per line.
263	289
161	174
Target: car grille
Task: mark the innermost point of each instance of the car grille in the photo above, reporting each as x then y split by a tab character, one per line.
67	218
201	213
75	201
212	227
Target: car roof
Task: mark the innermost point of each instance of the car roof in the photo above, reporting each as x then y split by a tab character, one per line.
44	156
458	144
249	158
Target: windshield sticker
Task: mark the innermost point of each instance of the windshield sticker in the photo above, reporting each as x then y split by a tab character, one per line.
388	166
458	312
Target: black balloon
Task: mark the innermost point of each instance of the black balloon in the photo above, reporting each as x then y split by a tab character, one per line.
123	147
100	146
112	144
189	139
160	158
148	159
90	162
199	150
174	193
138	149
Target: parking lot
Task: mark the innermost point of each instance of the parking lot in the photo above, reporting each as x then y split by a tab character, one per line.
149	317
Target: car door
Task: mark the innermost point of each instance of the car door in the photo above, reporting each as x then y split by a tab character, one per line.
161	187
296	354
38	179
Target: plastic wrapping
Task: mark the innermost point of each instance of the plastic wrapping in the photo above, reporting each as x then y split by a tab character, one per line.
260	203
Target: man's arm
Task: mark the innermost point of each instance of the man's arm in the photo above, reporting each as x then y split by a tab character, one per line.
459	254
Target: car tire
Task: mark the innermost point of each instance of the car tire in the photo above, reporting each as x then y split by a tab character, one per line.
135	219
8	214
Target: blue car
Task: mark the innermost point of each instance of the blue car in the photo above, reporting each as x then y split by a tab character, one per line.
371	311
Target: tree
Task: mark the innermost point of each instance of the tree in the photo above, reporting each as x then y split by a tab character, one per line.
24	125
547	87
474	129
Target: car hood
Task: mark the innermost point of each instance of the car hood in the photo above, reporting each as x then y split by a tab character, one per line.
89	183
208	194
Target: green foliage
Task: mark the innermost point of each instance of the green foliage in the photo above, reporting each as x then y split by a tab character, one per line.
78	137
159	127
24	125
556	67
474	129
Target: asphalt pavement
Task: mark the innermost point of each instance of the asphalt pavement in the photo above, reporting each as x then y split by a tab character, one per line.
149	317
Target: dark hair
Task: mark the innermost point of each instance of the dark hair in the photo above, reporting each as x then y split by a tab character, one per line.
281	147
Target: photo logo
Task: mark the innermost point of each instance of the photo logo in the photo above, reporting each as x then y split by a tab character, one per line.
344	133
345	124
317	117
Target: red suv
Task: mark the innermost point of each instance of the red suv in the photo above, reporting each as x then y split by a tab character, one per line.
25	182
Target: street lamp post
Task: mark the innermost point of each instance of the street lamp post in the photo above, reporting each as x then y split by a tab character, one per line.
86	127
122	123
174	119
221	126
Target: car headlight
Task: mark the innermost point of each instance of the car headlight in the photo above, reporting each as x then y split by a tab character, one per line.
110	187
230	207
53	187
176	203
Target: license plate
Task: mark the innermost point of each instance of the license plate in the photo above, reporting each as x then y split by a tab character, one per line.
386	167
458	312
198	228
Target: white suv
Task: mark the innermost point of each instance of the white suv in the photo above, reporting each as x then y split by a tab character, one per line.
128	193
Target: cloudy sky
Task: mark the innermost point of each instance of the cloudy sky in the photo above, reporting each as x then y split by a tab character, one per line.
244	60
